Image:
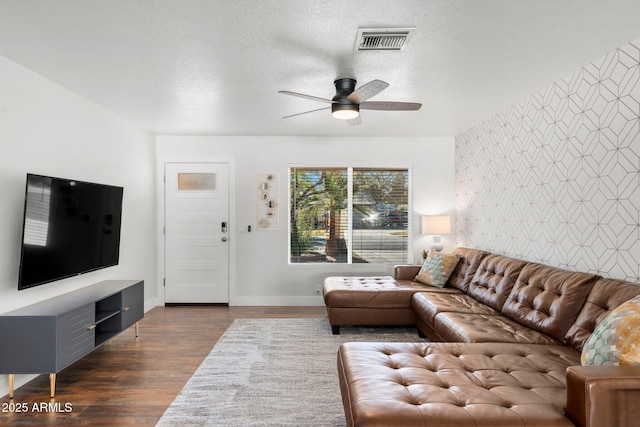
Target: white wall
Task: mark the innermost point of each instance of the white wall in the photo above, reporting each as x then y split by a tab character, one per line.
259	269
46	129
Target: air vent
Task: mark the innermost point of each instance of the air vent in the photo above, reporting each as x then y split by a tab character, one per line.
383	38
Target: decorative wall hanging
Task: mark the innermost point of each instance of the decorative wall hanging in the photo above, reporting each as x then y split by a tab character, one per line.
267	201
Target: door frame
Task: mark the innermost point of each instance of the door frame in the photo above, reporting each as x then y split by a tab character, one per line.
160	219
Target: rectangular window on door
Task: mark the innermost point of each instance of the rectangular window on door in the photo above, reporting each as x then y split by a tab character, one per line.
196	181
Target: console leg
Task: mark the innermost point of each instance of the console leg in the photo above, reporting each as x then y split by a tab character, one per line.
137	329
335	329
11	379
52	384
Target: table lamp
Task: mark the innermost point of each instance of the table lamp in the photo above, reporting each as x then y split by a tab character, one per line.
436	226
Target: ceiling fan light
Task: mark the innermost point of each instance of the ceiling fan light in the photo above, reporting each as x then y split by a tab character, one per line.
345	111
345	114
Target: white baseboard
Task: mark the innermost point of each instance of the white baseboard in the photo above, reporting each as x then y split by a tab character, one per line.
150	303
19	381
305	301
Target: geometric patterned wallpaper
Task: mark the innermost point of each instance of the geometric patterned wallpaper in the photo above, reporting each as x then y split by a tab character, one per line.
555	178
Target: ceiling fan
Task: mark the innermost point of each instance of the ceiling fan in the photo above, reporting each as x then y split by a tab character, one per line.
348	101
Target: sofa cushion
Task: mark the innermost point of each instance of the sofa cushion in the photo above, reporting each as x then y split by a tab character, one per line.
548	299
476	328
454	384
437	268
427	305
616	340
494	279
605	295
470	259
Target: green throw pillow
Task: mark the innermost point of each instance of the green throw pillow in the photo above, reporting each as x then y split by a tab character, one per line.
437	268
616	340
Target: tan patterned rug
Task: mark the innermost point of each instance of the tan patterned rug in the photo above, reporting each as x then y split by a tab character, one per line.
272	372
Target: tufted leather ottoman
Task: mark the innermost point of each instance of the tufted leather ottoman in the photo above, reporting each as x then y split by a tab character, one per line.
373	300
454	384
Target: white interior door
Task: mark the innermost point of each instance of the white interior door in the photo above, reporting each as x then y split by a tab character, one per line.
196	233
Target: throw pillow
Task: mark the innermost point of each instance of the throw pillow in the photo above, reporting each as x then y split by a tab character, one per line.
437	268
616	340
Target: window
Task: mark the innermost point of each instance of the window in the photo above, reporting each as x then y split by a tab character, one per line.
196	181
349	215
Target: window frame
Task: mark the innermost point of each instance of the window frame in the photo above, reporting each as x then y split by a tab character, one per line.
350	168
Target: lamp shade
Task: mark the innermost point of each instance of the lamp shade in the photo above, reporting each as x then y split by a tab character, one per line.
436	224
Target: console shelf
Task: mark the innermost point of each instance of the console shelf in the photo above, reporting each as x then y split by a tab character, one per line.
101	316
48	336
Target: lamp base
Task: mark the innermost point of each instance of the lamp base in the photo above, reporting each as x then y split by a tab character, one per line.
437	245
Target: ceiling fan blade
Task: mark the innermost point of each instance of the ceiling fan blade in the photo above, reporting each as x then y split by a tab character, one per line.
355	121
306	112
302	95
368	90
390	106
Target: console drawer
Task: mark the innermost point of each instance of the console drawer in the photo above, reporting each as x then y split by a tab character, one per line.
77	335
132	304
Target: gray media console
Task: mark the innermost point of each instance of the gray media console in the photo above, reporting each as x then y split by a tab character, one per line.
46	337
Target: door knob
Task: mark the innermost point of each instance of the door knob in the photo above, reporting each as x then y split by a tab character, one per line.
224	239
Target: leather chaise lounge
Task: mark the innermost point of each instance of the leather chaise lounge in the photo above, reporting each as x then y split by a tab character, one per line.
387	300
506	341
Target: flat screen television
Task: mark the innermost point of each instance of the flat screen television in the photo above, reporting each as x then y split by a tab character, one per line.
70	227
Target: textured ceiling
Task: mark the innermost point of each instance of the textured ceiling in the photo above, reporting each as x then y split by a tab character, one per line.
214	67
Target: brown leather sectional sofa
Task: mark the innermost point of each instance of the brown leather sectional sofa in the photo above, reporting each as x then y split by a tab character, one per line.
506	340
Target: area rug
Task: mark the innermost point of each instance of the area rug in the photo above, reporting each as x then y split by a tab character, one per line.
272	372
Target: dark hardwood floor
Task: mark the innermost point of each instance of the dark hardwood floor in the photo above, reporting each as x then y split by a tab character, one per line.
131	381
